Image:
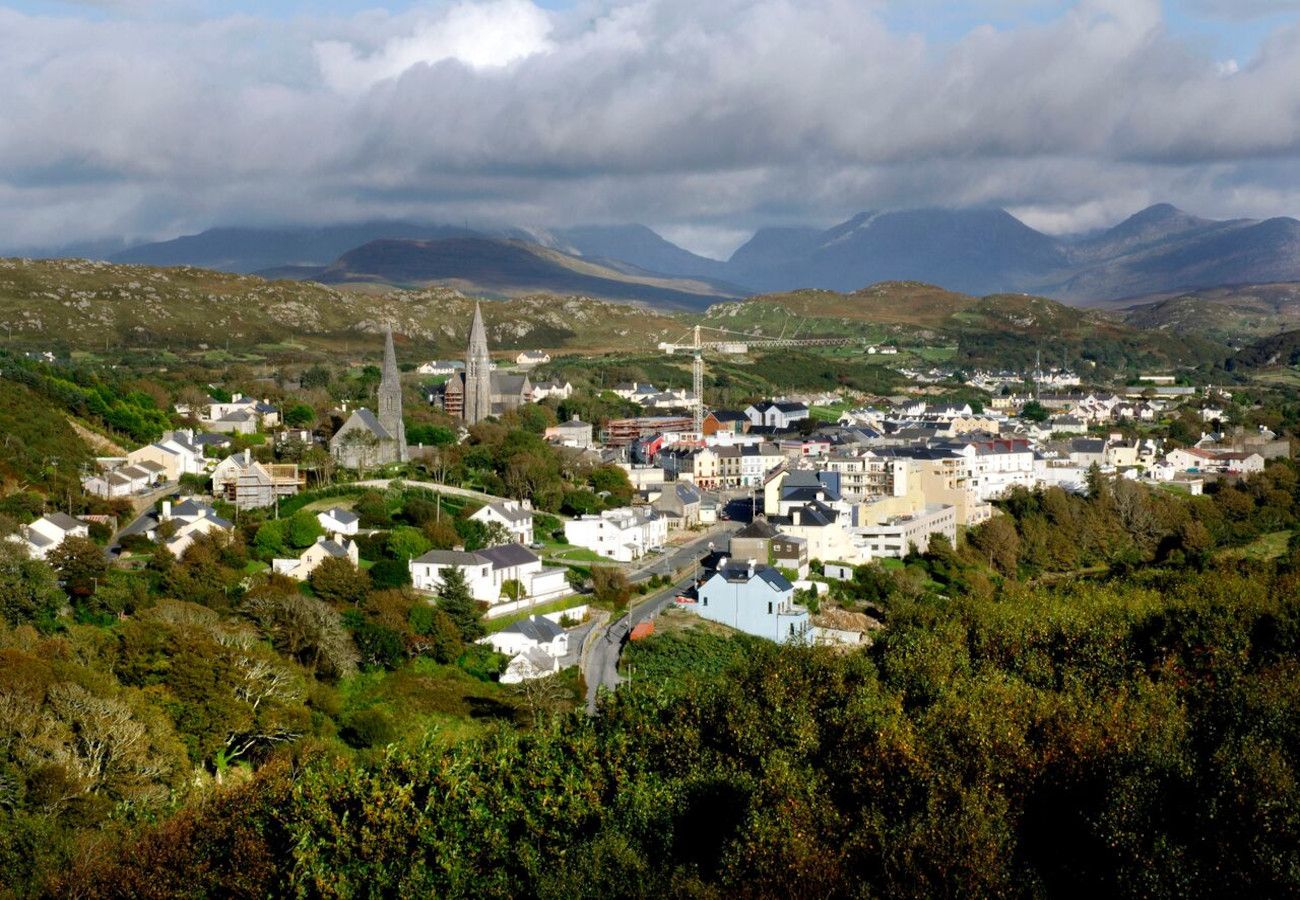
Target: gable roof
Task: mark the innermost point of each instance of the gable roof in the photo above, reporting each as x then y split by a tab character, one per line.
536	628
342	516
63	521
369	422
508	555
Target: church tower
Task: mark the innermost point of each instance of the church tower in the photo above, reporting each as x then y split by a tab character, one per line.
390	398
478	373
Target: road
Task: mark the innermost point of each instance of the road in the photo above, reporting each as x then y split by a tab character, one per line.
600	668
447	489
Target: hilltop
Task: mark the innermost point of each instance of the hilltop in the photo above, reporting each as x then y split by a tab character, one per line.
1229	315
999	330
77	304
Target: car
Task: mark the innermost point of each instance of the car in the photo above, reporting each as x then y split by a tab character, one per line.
536	545
657	548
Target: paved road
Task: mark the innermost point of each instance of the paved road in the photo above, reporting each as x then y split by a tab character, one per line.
601	663
144	506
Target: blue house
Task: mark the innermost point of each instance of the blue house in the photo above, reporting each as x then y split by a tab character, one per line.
755	599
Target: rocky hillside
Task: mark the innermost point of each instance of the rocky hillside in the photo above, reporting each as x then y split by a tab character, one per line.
76	304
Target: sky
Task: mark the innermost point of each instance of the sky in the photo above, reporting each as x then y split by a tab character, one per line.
146	119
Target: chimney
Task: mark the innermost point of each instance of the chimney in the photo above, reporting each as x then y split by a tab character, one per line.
752	564
459	548
722	563
248	456
166	511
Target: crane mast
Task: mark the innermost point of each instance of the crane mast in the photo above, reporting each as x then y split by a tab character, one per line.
697	346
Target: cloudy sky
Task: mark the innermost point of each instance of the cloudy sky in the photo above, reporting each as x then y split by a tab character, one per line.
701	118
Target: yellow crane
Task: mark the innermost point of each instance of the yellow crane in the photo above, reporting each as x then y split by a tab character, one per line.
736	343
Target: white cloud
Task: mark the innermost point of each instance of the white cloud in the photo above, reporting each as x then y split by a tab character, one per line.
705	119
479	35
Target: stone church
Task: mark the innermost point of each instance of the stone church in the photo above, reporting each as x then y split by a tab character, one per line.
479	392
375	439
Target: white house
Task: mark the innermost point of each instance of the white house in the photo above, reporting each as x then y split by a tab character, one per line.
533	633
777	414
241	415
529	664
176	453
621	534
573	433
532	358
338	521
486	572
515	516
49	532
441	367
560	390
300	569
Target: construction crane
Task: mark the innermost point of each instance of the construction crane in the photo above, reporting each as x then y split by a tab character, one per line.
738	344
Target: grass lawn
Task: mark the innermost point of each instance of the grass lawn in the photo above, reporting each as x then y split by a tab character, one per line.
1267	546
828	413
576	554
563	603
254	566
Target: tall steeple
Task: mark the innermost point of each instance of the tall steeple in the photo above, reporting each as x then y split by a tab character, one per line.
390	397
478	372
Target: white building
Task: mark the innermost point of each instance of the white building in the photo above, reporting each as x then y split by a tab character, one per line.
176	453
487	571
777	414
622	534
573	433
515	516
49	532
300	569
339	521
533	358
894	537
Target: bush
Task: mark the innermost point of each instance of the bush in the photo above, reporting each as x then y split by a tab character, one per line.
368	728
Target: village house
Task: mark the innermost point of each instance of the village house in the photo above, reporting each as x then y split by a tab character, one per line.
753	598
781	415
624	534
250	484
532	358
486	572
573	433
333	547
515	516
175	452
48	533
339	521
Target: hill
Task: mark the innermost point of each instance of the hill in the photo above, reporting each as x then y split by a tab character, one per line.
1277	350
997	330
511	268
249	250
1229	315
82	305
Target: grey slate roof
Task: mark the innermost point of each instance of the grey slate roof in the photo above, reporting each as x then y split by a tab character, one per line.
371	423
342	516
739	573
537	628
449	558
508	555
64	521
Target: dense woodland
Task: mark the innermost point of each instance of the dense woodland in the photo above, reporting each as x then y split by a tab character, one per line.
1088	694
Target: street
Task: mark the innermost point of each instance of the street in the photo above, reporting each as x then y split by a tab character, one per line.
601	663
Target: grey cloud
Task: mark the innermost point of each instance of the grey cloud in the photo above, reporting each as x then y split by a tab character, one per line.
703	118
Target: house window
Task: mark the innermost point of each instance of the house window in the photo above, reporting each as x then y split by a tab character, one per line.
704	601
769	607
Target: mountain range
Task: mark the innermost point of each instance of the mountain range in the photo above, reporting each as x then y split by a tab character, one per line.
1156	254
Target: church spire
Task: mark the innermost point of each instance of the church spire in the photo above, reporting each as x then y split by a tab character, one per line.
478	372
390	397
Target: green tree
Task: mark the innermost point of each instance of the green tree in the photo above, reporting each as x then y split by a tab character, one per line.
302	530
609	584
339	582
456	601
1033	411
406	543
29	591
299	415
81	566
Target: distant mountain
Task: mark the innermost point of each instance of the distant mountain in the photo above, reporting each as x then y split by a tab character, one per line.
614	245
510	268
1159	250
248	250
974	251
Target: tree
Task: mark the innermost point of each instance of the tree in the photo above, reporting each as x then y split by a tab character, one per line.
436	633
455	599
997	541
339	582
301	627
299	415
302	530
1033	411
81	566
29	592
406	543
609	584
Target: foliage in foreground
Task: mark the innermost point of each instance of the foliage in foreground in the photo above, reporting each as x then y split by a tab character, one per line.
1133	738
